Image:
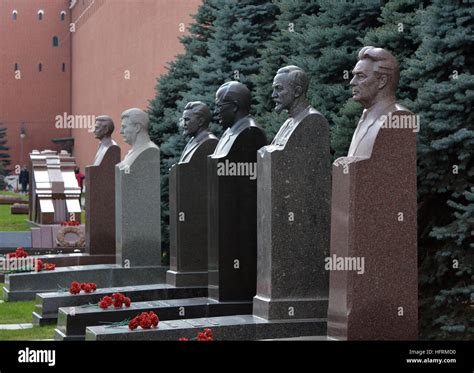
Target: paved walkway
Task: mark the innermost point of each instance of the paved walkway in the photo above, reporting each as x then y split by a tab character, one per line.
15	326
15	239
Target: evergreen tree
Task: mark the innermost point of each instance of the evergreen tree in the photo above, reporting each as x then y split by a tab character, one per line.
279	51
235	50
441	72
224	44
163	109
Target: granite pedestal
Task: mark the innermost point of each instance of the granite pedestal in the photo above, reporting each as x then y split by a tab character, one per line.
100	204
189	219
374	212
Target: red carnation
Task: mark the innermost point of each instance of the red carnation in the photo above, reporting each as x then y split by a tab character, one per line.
133	324
107	300
75	288
39	265
103	304
127	301
87	288
154	319
93	286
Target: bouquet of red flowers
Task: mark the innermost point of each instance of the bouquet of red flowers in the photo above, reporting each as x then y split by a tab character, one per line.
205	335
87	287
145	320
40	266
18	253
117	300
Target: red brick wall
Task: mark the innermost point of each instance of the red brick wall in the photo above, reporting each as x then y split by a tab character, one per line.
34	100
110	38
113	36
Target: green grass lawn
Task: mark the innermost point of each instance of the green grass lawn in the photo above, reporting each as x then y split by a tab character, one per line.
9	222
19	313
37	332
19	195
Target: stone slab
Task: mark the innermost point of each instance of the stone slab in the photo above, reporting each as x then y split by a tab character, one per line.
47	304
25	286
72	322
241	327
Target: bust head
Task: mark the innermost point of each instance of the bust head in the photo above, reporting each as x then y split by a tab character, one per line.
104	127
290	87
232	102
135	123
196	116
376	76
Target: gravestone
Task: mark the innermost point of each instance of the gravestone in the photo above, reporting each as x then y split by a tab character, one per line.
137	196
189	200
373	279
293	237
232	210
100	196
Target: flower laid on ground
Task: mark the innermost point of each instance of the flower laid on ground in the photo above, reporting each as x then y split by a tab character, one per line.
49	266
87	287
145	320
205	335
18	253
70	223
117	300
40	266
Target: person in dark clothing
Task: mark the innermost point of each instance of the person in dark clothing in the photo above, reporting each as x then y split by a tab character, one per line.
24	178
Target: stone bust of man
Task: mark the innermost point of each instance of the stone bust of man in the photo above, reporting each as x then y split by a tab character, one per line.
232	108
134	130
195	122
104	127
375	81
290	87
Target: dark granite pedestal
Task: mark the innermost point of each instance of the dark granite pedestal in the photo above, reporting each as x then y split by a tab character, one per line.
189	219
294	187
100	204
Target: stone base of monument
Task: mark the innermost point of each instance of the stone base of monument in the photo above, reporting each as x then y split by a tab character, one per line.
177	278
25	286
47	304
72	322
241	327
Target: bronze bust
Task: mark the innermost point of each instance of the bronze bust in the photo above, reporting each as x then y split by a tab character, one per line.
232	107
135	124
290	87
104	127
195	122
375	81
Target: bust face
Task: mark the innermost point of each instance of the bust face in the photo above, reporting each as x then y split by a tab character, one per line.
225	110
364	83
100	129
283	92
190	122
129	131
